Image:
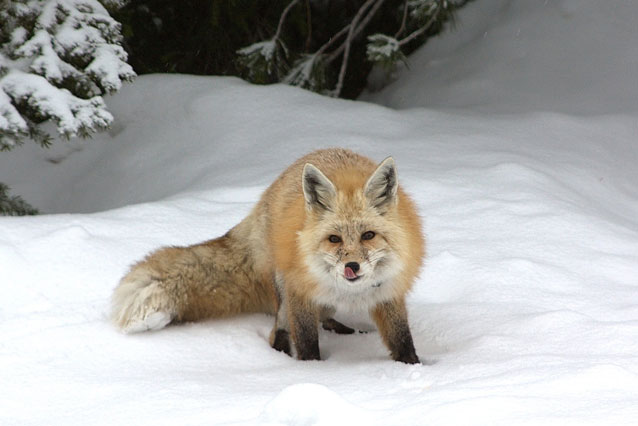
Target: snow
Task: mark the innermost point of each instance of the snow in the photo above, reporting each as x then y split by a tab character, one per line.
515	56
523	168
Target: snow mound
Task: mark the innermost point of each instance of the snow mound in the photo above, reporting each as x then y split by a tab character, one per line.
515	56
309	404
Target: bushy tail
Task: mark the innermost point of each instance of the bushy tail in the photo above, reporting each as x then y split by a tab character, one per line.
209	280
140	302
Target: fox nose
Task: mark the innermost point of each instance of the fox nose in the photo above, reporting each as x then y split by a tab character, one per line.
353	265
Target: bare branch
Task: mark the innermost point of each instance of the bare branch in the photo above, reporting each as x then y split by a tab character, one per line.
353	31
348	43
283	17
334	38
404	20
335	54
308	25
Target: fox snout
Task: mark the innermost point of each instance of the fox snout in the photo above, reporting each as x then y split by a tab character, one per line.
350	271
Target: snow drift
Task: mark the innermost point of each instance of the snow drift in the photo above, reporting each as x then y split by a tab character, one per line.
526	311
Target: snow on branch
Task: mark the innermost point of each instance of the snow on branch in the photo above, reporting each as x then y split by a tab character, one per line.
308	72
265	61
268	61
57	59
384	50
73	115
426	13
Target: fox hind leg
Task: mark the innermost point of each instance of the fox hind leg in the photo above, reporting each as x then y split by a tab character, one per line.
326	316
335	326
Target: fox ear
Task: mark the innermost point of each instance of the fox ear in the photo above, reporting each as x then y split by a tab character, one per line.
381	187
318	191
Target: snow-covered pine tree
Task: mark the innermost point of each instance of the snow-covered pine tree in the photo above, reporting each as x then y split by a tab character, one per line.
57	59
417	20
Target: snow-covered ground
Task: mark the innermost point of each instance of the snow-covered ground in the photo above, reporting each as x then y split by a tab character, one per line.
518	137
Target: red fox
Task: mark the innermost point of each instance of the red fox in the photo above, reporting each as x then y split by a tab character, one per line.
334	231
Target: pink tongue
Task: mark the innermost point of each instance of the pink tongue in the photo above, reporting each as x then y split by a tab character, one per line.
350	274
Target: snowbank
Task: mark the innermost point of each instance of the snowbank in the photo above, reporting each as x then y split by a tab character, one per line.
514	56
526	312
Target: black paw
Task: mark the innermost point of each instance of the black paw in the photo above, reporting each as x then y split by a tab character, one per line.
409	358
332	324
281	342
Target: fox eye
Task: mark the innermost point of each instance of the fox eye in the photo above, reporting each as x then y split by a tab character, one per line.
368	235
334	239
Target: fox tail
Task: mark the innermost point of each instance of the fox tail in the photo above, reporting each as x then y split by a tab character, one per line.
174	284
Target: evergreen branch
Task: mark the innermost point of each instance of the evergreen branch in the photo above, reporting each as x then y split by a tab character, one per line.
423	29
56	60
263	62
308	72
13	205
384	50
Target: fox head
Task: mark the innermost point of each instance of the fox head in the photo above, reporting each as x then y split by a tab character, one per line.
352	238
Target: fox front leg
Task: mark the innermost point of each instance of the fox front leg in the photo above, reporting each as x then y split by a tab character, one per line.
280	335
392	320
303	318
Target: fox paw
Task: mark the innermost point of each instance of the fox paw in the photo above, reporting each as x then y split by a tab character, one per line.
281	341
332	324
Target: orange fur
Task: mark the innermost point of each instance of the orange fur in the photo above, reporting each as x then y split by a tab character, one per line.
279	259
